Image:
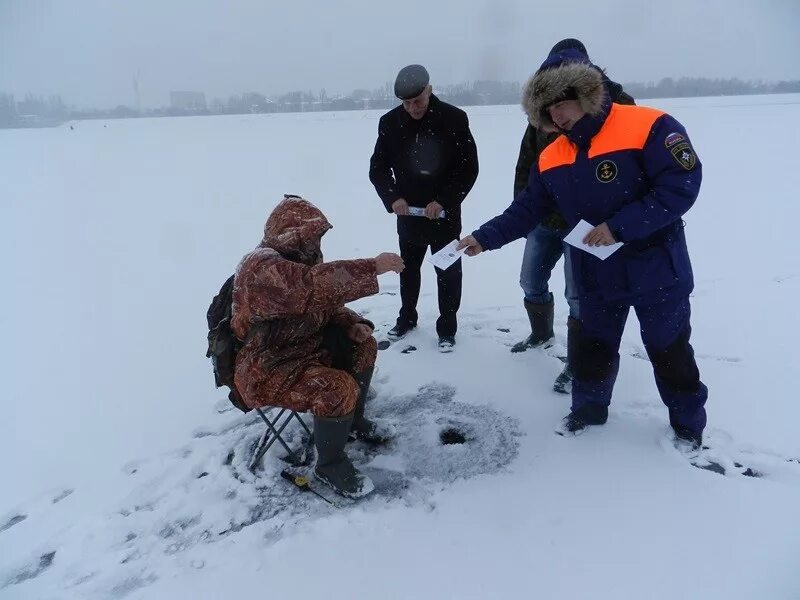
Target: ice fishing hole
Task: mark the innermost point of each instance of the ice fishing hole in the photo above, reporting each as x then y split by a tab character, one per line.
451	435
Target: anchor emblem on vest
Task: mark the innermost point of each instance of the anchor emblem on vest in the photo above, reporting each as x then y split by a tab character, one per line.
606	171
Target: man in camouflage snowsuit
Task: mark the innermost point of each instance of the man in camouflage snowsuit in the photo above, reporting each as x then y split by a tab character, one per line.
303	349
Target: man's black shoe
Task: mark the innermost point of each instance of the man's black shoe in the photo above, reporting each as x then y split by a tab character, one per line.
399	330
447	343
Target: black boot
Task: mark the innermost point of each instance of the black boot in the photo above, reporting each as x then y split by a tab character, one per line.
447	343
541	319
684	436
571	425
333	467
400	329
576	422
563	383
365	429
687	438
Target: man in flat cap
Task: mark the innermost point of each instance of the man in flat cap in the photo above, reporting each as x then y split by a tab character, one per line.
424	165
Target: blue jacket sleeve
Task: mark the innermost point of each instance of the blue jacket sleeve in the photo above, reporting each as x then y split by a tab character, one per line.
674	171
527	210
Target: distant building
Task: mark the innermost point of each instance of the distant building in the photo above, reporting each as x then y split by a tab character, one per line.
187	100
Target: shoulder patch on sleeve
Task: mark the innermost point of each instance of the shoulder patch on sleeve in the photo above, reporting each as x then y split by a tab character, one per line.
683	153
673	138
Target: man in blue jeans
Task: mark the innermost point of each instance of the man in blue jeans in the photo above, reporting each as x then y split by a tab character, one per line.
543	248
544	245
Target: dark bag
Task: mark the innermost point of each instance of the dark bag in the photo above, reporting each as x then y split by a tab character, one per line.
340	347
223	345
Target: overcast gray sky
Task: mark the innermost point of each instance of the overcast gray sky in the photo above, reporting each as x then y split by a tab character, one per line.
89	50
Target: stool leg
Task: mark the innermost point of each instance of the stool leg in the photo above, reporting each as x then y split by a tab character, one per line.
272	434
303	423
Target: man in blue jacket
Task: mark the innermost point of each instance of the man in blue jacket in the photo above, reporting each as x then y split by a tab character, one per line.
632	172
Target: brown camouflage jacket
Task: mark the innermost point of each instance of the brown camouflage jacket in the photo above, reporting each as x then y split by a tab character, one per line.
283	296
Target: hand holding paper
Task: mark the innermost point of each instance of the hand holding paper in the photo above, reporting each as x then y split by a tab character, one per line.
447	255
576	236
400	207
600	236
416	211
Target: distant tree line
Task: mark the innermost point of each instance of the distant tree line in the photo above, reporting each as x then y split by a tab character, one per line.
686	87
32	110
38	111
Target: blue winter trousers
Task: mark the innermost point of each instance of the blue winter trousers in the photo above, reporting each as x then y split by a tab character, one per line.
665	329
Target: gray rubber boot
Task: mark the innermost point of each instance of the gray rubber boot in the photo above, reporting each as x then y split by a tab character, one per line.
541	319
367	430
333	467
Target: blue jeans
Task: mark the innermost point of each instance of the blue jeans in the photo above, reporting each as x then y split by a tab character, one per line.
542	250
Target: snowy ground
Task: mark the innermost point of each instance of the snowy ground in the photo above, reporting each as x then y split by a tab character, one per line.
125	476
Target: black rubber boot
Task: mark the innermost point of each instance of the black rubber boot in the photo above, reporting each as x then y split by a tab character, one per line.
541	319
333	467
563	383
365	429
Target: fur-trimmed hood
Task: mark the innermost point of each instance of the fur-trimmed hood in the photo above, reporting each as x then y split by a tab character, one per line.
565	73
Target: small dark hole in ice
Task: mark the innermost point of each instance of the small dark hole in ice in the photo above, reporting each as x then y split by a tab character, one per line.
452	436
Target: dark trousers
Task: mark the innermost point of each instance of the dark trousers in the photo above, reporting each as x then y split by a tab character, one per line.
448	282
665	329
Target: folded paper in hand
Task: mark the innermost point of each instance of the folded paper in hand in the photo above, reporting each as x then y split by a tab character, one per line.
575	238
416	211
447	255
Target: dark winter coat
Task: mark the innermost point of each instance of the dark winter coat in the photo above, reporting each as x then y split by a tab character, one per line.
535	140
632	167
432	159
284	298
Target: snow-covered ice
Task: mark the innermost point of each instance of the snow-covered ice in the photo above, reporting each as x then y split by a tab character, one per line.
126	474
